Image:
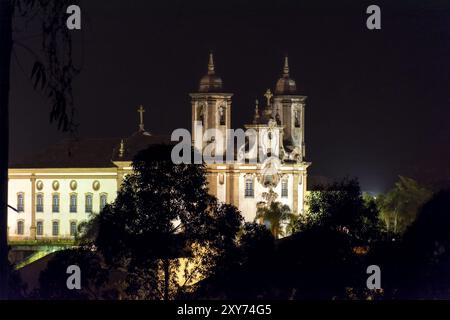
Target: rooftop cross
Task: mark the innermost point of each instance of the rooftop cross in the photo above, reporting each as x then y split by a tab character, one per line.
141	111
268	96
256	116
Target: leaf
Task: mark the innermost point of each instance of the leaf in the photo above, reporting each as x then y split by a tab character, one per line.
37	78
36	67
38	74
44	80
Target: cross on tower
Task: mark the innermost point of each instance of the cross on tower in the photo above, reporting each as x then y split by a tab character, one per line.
268	96
141	111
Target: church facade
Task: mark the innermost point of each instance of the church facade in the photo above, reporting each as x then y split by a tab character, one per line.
51	193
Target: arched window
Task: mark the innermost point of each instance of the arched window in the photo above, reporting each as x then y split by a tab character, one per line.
20	202
20	227
277	118
40	228
103	200
284	188
73	203
73	228
88	203
297	118
222	116
39	202
249	191
200	114
55	202
55	228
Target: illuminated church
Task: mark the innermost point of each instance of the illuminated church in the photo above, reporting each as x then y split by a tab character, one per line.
51	193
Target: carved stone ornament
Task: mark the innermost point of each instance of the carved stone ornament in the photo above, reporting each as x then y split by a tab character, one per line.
39	185
73	185
96	185
55	185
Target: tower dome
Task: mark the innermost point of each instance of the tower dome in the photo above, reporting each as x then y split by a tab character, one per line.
285	85
210	82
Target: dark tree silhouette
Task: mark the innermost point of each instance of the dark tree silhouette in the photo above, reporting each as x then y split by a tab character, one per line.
247	271
163	212
323	259
53	72
427	251
94	277
416	265
341	206
5	58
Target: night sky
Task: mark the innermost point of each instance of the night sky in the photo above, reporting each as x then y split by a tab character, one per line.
378	101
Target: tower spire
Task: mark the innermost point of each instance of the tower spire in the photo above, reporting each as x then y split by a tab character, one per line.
121	149
286	67
211	64
256	116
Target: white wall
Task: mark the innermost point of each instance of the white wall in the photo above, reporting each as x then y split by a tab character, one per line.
221	188
108	185
248	205
15	186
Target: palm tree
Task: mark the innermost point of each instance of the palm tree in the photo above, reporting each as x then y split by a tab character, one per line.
275	214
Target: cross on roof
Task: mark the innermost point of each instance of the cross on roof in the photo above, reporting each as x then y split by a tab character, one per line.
268	96
141	111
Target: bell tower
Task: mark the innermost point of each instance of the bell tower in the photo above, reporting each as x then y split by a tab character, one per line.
290	106
211	108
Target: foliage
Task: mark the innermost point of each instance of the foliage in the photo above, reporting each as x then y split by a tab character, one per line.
94	276
246	271
416	266
340	206
230	261
164	223
399	206
42	242
427	246
16	287
53	71
275	214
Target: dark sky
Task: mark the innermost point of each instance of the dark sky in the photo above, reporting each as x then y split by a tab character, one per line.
378	101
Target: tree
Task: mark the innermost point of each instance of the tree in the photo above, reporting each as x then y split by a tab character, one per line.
399	206
94	276
5	57
53	72
275	215
341	206
246	271
416	265
164	224
319	261
426	248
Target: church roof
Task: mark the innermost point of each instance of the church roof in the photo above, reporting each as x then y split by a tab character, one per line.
71	153
88	153
92	153
126	149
